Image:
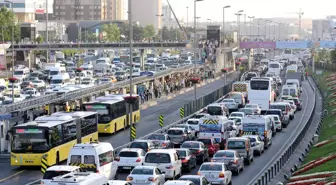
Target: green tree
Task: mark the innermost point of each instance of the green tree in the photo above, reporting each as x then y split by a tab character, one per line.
149	32
138	32
111	32
7	20
39	39
89	36
333	56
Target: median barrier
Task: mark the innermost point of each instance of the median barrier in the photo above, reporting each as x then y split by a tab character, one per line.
279	161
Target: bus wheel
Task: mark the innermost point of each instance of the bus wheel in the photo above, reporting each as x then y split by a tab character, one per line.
57	158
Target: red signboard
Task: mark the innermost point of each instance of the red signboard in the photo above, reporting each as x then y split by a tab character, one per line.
39	11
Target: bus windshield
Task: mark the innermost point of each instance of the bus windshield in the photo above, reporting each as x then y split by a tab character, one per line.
29	140
259	85
102	110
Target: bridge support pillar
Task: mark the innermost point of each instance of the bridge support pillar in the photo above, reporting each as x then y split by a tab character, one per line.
142	59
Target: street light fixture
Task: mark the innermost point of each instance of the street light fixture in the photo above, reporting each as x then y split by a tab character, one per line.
224	38
12	7
195	40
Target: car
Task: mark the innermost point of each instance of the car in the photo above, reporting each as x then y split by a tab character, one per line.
231	158
187	158
190	130
292	103
146	145
194	123
216	173
277	122
257	144
255	108
198	149
278	80
297	102
178	182
247	111
128	158
178	135
211	143
146	175
161	140
237	114
196	179
231	104
39	84
26	84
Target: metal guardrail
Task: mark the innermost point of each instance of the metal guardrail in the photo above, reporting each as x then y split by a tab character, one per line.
275	165
218	91
60	46
80	93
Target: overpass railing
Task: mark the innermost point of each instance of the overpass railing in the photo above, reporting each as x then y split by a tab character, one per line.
53	98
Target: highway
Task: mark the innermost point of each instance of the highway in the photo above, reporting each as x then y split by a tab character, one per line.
149	123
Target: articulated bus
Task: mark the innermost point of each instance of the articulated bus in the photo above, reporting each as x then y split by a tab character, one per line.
51	137
260	92
112	110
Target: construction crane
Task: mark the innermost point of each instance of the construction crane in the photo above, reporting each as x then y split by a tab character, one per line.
178	23
300	13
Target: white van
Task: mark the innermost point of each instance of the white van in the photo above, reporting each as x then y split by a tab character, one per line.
259	125
79	178
290	90
60	80
294	82
99	154
58	170
21	73
275	68
166	160
56	71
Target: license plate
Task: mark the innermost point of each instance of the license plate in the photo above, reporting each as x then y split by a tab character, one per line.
127	168
140	181
209	175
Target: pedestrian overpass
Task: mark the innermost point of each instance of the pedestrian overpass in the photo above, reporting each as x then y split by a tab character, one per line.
306	44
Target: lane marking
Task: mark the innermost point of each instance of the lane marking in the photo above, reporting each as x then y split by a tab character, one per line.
15	174
31	183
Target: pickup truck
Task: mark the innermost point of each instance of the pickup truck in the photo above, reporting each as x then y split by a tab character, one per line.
211	144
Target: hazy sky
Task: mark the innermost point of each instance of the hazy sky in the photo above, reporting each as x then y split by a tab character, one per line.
212	9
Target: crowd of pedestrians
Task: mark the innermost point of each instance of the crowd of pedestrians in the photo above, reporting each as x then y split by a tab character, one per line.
174	84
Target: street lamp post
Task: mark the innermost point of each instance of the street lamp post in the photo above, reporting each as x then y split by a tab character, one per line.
195	40
13	52
259	27
238	14
251	17
224	38
269	30
131	62
161	35
187	16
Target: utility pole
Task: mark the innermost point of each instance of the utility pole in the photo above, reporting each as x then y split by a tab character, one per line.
130	37
47	34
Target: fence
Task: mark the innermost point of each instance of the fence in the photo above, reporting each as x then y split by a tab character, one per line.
204	101
274	166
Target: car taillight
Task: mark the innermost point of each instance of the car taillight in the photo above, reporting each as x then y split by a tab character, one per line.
169	167
138	160
221	175
184	135
265	134
198	173
151	179
129	178
184	160
117	159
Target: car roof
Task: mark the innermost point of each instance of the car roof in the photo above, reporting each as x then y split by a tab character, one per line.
191	176
63	168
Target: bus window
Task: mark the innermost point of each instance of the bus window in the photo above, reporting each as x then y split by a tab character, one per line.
259	85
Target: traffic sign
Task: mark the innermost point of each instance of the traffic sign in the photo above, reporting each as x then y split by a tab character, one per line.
161	121
133	132
182	113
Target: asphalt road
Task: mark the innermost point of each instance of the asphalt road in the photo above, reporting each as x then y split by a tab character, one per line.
149	123
278	141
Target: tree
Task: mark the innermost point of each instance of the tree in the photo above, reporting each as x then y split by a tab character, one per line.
7	20
89	36
149	32
111	32
138	32
333	56
39	39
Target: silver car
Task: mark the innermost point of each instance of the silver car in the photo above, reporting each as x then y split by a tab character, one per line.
150	175
230	104
161	140
231	158
257	144
190	130
178	135
216	173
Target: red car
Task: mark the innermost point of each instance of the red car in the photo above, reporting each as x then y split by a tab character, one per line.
213	147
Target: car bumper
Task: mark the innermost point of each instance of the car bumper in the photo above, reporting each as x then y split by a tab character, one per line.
278	126
217	181
233	167
169	174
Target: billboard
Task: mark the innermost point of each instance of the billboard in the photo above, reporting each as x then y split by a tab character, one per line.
294	44
213	35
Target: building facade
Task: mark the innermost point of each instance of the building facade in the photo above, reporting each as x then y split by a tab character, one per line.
115	10
80	10
323	29
145	11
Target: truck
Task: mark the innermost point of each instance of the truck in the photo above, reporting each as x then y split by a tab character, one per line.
215	127
294	76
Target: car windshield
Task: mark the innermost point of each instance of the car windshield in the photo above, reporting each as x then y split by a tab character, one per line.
235	115
250	106
252	139
128	154
236	145
190	145
52	174
224	154
211	167
18	72
228	100
142	171
276	118
281	107
157	158
157	137
175	132
56	81
247	111
205	141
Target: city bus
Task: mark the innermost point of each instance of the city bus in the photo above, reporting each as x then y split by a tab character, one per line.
260	92
112	111
51	137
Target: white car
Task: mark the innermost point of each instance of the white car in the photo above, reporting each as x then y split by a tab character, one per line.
39	84
237	114
292	103
129	158
256	143
278	80
230	103
277	123
194	123
150	175
216	173
255	107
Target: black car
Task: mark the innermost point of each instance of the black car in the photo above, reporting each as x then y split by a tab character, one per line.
278	112
198	149
188	160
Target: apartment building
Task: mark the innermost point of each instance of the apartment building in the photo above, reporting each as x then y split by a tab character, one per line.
145	11
116	10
